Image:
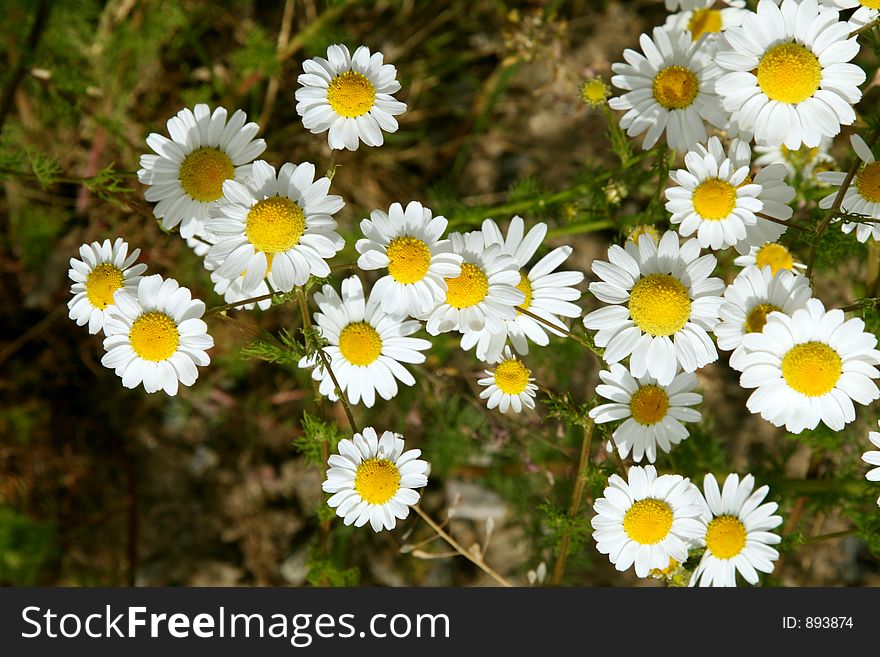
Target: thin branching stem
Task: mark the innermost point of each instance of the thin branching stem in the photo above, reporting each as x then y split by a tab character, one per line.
559	328
239	304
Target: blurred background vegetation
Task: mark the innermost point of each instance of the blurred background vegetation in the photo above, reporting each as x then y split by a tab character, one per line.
105	486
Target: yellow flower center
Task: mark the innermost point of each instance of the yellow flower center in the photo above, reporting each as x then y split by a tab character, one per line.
351	94
203	172
525	286
868	182
725	537
408	259
648	521
511	376
714	199
811	368
665	572
649	404
800	156
676	87
468	288
757	317
377	480
102	282
275	225
659	304
360	343
870	4
644	229
703	21
154	336
594	92
775	256
789	73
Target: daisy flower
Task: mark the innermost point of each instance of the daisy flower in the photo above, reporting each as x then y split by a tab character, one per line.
187	172
276	226
367	346
804	160
509	386
685	5
862	196
104	268
156	336
773	255
810	367
652	414
873	458
373	480
670	87
409	244
349	95
867	11
738	536
671	303
548	293
643	229
647	520
754	294
705	20
786	77
484	294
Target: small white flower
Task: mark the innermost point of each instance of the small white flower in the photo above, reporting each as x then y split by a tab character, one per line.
804	160
873	458
867	11
705	20
773	255
509	386
862	196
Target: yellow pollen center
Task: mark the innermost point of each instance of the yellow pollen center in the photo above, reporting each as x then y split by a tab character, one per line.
868	182
648	521
275	225
644	229
203	172
659	304
154	336
714	199
525	286
811	368
775	256
676	87
594	92
360	343
511	376
725	537
377	480
468	288
789	73
703	21
666	572
757	317
649	404
408	259
102	282
351	94
870	4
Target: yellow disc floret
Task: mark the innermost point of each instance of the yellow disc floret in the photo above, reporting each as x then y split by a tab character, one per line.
275	225
811	368
377	480
789	73
676	87
468	288
659	304
714	199
644	229
757	317
525	286
408	259
725	537
870	4
203	172
774	256
649	404
594	92
648	521
511	376
102	282
360	343
868	182
704	21
351	94
154	336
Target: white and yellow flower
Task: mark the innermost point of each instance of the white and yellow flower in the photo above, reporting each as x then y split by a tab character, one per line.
548	293
873	458
804	160
773	255
275	227
866	11
704	19
349	95
156	337
373	480
653	415
738	536
367	345
104	268
787	78
647	520
187	173
862	196
409	244
754	294
810	368
509	386
664	302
